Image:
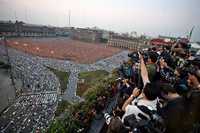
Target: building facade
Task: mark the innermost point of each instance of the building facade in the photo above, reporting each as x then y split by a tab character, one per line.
86	34
21	29
126	42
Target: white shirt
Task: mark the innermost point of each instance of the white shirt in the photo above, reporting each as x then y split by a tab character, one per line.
133	109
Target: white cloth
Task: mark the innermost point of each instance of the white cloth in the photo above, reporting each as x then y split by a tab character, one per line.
133	109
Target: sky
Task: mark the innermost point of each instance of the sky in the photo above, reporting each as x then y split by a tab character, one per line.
149	17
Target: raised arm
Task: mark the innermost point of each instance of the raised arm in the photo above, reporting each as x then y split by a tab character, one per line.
144	72
134	94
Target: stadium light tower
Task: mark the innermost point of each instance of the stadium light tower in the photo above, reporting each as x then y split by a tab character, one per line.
15	16
69	18
25	15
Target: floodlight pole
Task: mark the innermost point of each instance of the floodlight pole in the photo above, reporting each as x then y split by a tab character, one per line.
69	18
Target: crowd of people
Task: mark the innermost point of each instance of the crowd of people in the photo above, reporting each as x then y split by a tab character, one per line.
37	96
29	113
150	83
34	76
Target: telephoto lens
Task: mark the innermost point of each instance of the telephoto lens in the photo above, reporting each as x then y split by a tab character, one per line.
108	118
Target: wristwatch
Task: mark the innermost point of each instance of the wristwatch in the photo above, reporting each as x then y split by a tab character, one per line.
132	96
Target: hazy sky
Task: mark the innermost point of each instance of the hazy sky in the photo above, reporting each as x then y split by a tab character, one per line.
151	17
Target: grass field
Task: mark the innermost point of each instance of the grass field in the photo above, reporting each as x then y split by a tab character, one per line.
63	78
89	79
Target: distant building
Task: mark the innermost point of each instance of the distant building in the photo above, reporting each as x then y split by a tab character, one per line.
21	29
125	42
7	28
161	42
65	31
167	41
86	34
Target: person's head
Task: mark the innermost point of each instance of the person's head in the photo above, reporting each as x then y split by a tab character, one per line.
149	49
177	72
193	79
151	91
123	62
179	45
154	49
116	126
117	112
168	47
152	57
198	74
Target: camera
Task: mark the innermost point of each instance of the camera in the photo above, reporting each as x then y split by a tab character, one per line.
135	56
108	118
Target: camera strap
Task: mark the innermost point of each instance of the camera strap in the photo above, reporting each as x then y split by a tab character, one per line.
146	110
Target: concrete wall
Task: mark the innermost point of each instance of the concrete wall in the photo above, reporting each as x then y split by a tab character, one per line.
7	92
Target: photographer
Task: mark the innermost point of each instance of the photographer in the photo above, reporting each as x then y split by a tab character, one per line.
166	81
193	81
125	70
148	96
166	73
125	88
114	122
165	54
180	51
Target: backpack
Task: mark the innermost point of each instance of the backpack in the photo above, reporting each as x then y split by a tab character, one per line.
153	124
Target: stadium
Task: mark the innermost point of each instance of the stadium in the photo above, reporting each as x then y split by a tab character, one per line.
99	67
46	69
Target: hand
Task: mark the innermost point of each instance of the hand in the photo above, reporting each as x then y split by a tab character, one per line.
136	92
140	56
163	63
125	80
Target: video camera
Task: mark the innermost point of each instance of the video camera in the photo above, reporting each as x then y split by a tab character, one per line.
184	43
195	61
154	124
135	56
